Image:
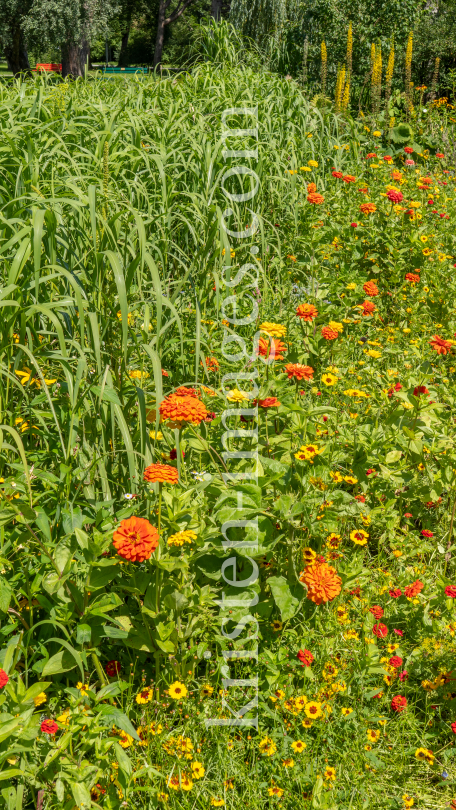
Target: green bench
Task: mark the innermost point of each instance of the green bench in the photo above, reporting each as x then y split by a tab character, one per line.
120	71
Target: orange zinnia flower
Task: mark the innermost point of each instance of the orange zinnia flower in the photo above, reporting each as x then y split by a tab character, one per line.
440	345
307	312
276	346
414	589
182	409
368	307
323	582
186	392
315	199
311	188
269	402
367	208
163	473
135	539
370	288
298	371
329	333
348	178
212	364
413	277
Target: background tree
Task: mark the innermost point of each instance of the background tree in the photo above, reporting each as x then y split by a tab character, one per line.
69	25
12	40
166	16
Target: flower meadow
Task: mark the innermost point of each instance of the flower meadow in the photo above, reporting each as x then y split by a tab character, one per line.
126	392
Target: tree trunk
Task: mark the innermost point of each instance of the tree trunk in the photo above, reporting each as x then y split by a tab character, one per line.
123	55
216	10
16	53
160	34
74	59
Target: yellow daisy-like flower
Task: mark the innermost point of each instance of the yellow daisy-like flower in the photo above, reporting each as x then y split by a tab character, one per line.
158	436
351	635
351	286
276	625
288	763
329	379
338	327
337	477
424	755
333	541
198	770
330	774
350	479
145	696
313	163
307	722
125	740
409	801
359	537
313	710
177	690
373	353
64	719
423	237
155	729
298	746
377	133
39	699
82	688
372	734
275	330
308	555
427	251
346	711
162	797
217	802
267	747
305	168
236	396
206	690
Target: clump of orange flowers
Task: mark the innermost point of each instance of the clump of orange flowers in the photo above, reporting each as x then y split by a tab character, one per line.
180	408
135	539
161	473
322	581
370	288
315	198
440	345
367	208
298	371
329	333
276	348
368	307
307	312
311	188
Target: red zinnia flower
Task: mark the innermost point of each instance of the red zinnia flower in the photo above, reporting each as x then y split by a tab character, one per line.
305	657
348	178
395	661
413	277
398	632
439	154
399	703
427	533
376	611
354	224
397	387
3	678
408	150
453	728
360	498
395	196
371	155
49	727
419	390
414	589
450	591
112	668
403	676
337	174
396	593
380	630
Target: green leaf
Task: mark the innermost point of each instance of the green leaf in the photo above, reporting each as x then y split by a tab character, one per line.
283	597
5	596
111	715
101	575
81	795
392	456
83	633
62	661
35	690
123	760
